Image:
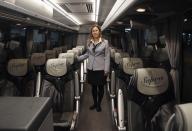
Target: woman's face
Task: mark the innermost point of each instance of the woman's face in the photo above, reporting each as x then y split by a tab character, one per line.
95	32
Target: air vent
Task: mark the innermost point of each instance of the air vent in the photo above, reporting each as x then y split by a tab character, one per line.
78	7
89	8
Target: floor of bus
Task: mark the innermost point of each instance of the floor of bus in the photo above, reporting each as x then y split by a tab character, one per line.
91	120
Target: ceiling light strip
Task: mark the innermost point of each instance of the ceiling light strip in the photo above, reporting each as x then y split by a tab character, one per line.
62	11
30	13
97	10
119	7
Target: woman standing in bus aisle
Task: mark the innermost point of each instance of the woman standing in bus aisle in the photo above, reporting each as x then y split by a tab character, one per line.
98	64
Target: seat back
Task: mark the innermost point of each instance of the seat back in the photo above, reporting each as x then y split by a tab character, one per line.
151	36
58	85
69	57
38	60
15	50
130	64
21	74
50	54
150	88
118	58
58	50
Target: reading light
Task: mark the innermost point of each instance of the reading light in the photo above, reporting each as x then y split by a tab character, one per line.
140	10
58	8
18	24
119	22
185	20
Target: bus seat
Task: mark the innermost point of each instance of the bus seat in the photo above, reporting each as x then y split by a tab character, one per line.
118	58
59	85
146	55
130	64
181	119
151	36
58	50
68	56
148	90
77	51
50	54
38	60
13	44
21	74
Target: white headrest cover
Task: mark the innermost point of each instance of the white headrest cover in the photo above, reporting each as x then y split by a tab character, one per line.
50	54
112	52
151	36
18	67
152	81
56	67
80	50
77	52
13	44
118	58
130	64
68	56
72	51
81	47
186	112
38	59
58	50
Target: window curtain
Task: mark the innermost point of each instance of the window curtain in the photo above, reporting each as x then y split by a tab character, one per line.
129	46
173	30
123	43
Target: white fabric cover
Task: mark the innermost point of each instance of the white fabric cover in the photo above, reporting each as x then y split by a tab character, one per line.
13	44
118	58
81	47
58	50
186	113
151	36
38	59
72	51
112	52
152	81
56	67
50	54
130	64
18	67
68	56
76	51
